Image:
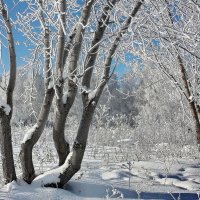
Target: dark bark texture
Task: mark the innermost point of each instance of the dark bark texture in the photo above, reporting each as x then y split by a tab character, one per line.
6	148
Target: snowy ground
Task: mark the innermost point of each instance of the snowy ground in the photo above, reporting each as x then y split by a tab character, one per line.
169	180
108	173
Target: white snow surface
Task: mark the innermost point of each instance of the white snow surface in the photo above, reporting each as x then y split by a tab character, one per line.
4	106
124	140
29	133
157	178
160	180
51	84
92	93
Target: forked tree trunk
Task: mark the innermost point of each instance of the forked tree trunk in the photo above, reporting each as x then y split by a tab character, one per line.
61	144
6	148
63	108
32	137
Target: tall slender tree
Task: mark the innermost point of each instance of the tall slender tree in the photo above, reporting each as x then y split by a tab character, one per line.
6	105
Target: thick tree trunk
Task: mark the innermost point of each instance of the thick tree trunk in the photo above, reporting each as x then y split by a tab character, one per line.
32	137
6	148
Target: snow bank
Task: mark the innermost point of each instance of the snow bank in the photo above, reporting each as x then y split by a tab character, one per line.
51	84
188	185
6	108
116	174
29	134
52	176
91	94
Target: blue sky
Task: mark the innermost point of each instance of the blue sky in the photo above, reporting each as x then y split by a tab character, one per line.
20	50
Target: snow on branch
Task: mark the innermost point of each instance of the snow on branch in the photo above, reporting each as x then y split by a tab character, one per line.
4	106
29	134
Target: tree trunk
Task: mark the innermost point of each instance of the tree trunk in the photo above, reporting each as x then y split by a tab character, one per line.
61	145
188	90
191	102
6	148
32	137
63	108
198	134
5	118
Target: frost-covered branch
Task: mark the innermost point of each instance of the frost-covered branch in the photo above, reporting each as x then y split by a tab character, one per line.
112	50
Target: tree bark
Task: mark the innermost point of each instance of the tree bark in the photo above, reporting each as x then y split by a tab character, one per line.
6	148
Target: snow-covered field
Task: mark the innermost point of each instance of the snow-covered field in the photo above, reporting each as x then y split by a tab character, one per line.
108	173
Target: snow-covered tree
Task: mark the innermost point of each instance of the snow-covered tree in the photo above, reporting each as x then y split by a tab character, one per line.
72	41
